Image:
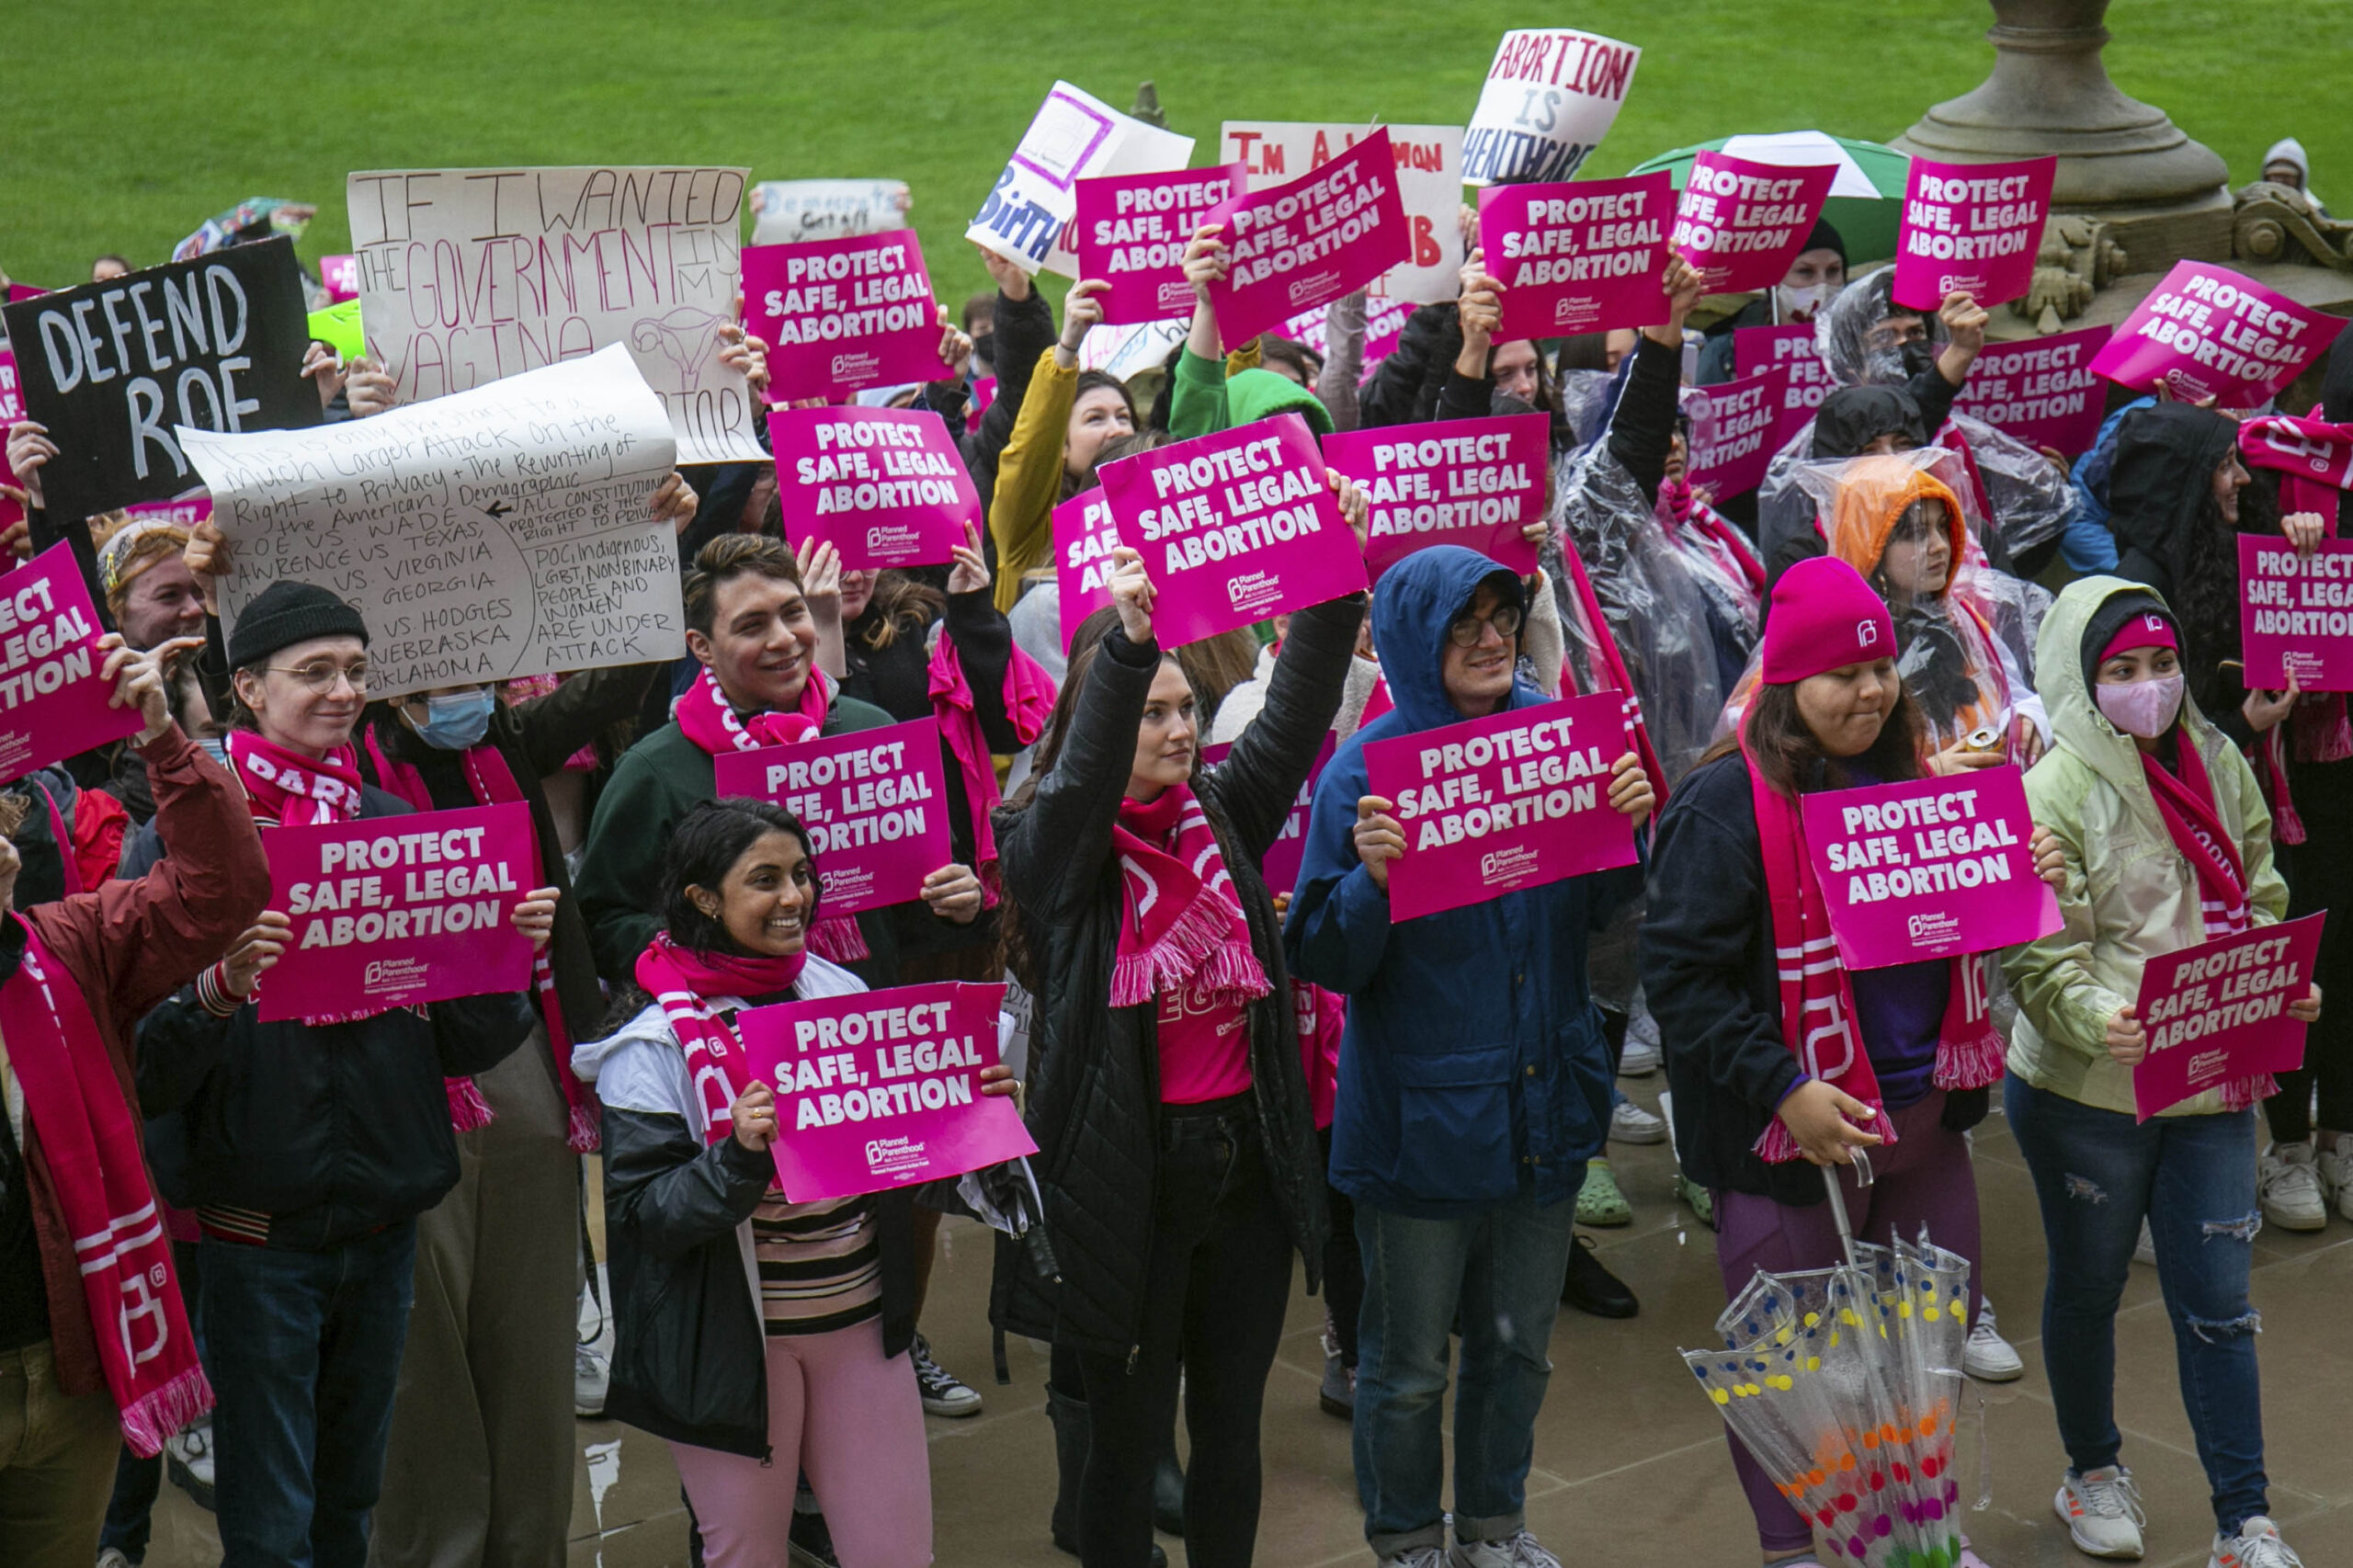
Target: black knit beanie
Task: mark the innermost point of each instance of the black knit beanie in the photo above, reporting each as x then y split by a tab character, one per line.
286	613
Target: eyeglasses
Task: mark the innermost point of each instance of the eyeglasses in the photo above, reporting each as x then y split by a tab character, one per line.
1464	628
320	674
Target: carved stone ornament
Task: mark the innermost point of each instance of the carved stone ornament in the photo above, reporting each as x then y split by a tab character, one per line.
2279	222
2076	259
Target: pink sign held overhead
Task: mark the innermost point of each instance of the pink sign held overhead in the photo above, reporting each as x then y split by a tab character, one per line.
2296	614
875	803
1578	255
1295	246
1233	527
2219	1011
54	699
1280	865
2209	332
1755	348
1742	222
1503	803
1970	228
1475	482
396	911
1085	536
2042	392
1131	231
882	1089
340	275
886	486
1733	426
1928	869
841	315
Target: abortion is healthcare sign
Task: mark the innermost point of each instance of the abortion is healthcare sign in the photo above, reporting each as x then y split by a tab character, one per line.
2219	1011
1931	868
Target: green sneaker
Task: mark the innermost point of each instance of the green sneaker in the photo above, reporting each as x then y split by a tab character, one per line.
1600	1203
1702	1202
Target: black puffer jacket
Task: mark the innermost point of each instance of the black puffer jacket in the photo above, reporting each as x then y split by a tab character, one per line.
1094	1075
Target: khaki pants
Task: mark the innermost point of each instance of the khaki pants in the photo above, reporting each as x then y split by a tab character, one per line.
57	1455
480	1470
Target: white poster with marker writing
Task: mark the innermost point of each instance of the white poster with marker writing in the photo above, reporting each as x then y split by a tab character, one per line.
1430	184
1076	136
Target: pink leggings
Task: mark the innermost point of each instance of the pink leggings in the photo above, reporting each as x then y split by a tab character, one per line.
855	1422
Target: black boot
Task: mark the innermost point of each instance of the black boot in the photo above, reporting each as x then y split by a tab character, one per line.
1168	1494
1073	1434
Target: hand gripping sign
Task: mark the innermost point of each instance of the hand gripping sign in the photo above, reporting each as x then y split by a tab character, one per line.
875	803
2219	1011
2209	332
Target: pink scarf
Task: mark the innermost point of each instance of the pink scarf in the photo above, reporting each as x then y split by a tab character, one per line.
1179	924
706	718
2315	460
493	783
2186	806
287	786
686	982
74	1103
1029	702
1678	507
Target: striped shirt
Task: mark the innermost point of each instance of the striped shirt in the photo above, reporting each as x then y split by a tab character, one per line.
821	1264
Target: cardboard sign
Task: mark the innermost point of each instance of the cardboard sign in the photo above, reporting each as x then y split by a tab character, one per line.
339	274
885	485
1503	803
2209	332
1120	352
1972	228
1928	869
2219	1011
1577	257
1085	536
1475	482
397	911
841	315
1284	856
2043	391
117	370
494	533
1550	97
875	803
1294	247
1742	224
1733	426
2296	614
1429	186
1233	527
1755	348
882	1089
12	408
1073	137
1132	230
469	276
54	701
786	212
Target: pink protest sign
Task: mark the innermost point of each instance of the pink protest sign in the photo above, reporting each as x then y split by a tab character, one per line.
882	1089
23	291
1742	222
1295	246
2296	614
1233	527
2219	1011
52	697
875	803
2208	332
1280	865
184	514
1579	255
12	408
1384	323
340	274
2043	391
395	911
1085	536
1755	348
1971	228
1733	426
841	315
1500	805
886	486
1131	231
1930	869
1475	482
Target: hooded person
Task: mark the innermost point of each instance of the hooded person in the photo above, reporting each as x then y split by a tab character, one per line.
2164	844
1816	275
2285	163
1475	1084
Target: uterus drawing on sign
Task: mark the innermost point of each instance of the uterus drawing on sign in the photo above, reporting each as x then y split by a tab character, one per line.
681	335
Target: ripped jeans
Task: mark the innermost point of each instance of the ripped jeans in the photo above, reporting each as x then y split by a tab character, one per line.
2096	1172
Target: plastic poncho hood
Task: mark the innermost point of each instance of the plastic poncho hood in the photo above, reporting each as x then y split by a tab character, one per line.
1418	599
1841	331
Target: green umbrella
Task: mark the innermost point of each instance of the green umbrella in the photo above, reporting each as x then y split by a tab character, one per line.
1866	199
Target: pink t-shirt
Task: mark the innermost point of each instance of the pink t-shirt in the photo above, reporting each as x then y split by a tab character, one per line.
1204	1047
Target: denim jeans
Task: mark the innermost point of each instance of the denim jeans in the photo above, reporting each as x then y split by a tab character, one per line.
305	1352
1501	1269
2096	1174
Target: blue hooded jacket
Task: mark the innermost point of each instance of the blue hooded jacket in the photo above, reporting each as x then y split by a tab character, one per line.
1472	1069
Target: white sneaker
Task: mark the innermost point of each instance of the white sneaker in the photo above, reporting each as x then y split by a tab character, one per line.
2336	1174
1641	1054
591	1378
112	1557
2145	1249
2257	1545
2287	1185
1989	1358
1417	1557
1522	1551
2102	1511
1629	1123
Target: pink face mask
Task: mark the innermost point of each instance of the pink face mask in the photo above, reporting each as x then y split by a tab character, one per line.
2142	708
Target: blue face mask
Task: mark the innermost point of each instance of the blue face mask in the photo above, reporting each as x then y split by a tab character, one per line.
455	722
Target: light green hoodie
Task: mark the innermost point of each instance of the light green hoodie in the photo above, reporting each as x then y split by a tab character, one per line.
2130	895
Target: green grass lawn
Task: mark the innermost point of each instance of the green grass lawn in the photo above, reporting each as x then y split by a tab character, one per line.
122	127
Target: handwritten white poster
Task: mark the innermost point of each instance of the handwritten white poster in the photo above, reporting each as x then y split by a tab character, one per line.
785	212
1075	136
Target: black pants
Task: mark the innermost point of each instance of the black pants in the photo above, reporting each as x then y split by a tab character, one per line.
2320	876
1216	1283
1343	1264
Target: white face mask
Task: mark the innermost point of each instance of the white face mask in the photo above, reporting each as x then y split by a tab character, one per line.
1797	304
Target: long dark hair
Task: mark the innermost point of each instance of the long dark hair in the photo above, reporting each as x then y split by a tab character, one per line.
709	841
1786	754
903	605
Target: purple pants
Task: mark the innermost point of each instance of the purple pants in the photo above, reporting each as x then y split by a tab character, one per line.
1924	1177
